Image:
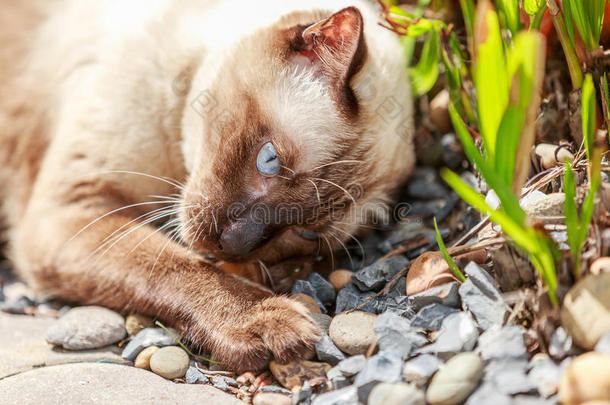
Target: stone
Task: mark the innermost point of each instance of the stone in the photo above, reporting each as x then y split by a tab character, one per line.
303	395
143	358
600	265
456	380
305	287
350	297
136	322
394	334
194	376
552	155
424	186
145	338
382	367
324	289
22	305
339	278
489	394
396	394
445	294
549	206
431	316
428	270
502	343
400	305
322	320
587	378
275	388
453	154
170	362
561	344
23	347
352	365
376	275
545	374
343	396
603	344
509	376
439	111
586	310
328	352
353	332
419	369
458	333
309	302
481	297
271	398
87	328
103	383
292	375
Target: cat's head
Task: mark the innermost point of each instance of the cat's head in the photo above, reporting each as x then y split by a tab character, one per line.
278	141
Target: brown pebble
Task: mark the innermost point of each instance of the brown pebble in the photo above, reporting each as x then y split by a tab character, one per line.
439	112
292	375
587	378
601	265
143	358
135	323
306	300
170	362
339	278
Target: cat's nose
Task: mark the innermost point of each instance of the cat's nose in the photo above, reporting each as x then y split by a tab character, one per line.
241	237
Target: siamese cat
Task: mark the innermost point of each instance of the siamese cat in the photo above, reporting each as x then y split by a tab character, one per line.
139	138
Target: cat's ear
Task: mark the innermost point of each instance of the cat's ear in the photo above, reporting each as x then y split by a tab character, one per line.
335	46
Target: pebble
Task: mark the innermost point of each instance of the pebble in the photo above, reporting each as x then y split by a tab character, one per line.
292	375
453	154
339	278
145	338
170	362
143	358
419	369
343	396
456	380
502	343
271	398
601	265
136	322
194	376
487	393
445	294
551	155
375	276
603	344
458	333
428	270
325	291
21	306
328	352
305	287
382	367
587	378
322	320
545	374
424	185
396	394
586	310
431	316
549	206
395	334
439	111
481	297
353	332
509	376
275	388
220	383
561	344
352	365
87	327
309	302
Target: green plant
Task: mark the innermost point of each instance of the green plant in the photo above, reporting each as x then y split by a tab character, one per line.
452	266
588	16
578	226
508	81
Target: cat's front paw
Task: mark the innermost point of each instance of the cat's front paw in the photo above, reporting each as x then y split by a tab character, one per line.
276	329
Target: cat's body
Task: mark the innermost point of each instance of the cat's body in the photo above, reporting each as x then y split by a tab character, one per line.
92	93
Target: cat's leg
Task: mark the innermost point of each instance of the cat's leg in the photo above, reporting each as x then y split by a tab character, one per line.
241	324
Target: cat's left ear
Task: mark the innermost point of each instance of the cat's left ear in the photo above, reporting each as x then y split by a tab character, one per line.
335	46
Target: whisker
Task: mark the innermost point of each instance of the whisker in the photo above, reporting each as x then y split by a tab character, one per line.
266	272
353	238
336	185
317	191
169	223
332	256
335	163
351	261
171	182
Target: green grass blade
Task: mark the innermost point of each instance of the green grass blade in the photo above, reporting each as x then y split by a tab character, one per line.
571	211
452	266
425	73
510	13
507	143
588	115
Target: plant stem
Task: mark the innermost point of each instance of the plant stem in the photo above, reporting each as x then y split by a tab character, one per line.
568	49
537	18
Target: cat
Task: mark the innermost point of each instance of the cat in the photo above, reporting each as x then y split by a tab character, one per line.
222	110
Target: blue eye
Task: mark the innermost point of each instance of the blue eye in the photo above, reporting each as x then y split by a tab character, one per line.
267	161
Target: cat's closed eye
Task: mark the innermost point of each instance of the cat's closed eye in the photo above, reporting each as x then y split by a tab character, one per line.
267	161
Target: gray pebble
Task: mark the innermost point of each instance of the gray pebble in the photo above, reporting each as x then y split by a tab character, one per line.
509	376
323	288
446	294
275	389
393	333
419	369
194	376
561	345
328	352
502	343
481	297
344	396
603	344
322	320
352	365
147	337
375	276
87	327
430	317
305	287
545	374
382	367
488	394
458	333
